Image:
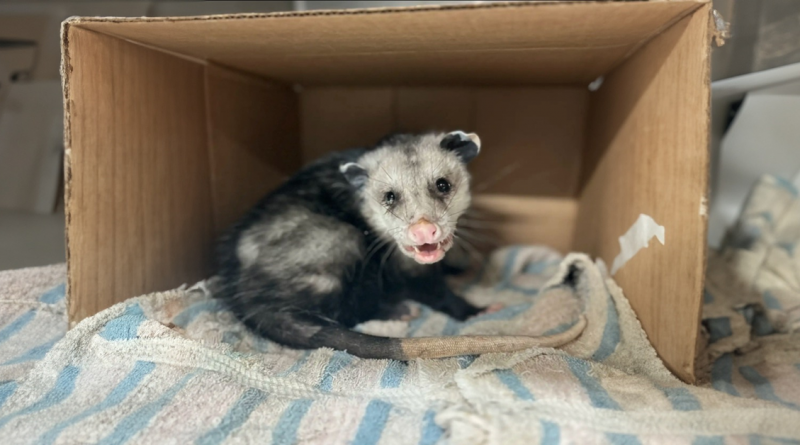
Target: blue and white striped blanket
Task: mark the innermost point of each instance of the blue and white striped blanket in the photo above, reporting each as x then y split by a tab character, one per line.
173	367
751	307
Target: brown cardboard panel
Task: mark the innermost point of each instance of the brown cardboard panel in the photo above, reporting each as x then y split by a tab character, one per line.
519	43
434	109
647	153
138	203
443	68
501	220
341	118
532	139
253	129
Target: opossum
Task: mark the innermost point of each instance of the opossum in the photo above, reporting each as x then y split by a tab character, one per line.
350	237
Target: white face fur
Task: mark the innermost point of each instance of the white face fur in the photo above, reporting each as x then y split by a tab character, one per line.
414	190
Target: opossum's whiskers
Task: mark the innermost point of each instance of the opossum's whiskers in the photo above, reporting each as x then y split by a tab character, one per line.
387	173
476	237
389	252
375	247
471	249
485	185
477	224
450	201
476	215
382	182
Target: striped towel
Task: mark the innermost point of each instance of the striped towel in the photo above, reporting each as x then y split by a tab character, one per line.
751	312
174	367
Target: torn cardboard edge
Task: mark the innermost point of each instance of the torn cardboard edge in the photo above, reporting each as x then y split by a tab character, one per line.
721	27
637	238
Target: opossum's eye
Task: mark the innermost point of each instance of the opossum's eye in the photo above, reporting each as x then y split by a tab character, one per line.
389	198
443	185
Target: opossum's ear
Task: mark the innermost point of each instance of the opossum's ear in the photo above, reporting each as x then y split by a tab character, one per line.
355	174
466	146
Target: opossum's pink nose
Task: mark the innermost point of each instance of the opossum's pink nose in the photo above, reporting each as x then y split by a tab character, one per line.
423	232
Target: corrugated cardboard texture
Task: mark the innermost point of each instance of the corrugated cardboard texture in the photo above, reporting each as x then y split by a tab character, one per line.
539	42
341	118
139	212
646	153
532	137
253	140
503	220
173	132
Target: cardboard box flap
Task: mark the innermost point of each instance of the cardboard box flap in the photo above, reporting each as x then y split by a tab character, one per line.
572	43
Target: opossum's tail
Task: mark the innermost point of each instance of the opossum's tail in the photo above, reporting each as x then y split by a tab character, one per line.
440	347
310	336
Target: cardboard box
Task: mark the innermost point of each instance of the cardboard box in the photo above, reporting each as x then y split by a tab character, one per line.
175	126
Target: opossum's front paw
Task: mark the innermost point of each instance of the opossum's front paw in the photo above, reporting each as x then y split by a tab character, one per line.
410	313
401	311
494	307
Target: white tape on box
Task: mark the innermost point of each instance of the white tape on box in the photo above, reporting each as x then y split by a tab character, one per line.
635	239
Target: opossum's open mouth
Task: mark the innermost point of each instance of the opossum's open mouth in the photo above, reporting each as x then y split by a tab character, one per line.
430	253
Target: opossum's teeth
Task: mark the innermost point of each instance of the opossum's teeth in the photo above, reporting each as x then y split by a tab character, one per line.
429	252
427	247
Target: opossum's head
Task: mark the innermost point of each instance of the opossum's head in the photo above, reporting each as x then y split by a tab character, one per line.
415	188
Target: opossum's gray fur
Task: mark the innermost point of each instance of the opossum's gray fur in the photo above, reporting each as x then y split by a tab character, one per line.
325	251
